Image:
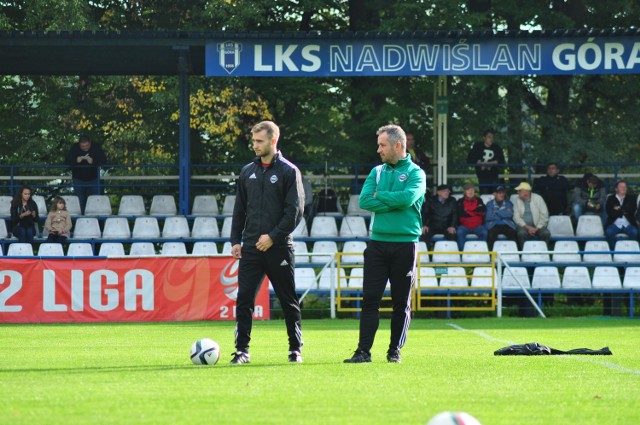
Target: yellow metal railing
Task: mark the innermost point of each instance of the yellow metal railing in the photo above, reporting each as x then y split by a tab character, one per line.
439	286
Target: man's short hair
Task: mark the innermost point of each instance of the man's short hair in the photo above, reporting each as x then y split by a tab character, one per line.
618	183
487	131
273	131
395	133
84	138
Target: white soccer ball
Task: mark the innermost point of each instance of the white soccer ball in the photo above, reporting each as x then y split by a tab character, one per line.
453	418
205	351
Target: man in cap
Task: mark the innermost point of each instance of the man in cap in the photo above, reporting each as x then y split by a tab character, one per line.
471	211
439	215
499	218
530	215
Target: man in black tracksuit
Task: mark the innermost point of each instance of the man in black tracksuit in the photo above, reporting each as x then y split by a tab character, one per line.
269	205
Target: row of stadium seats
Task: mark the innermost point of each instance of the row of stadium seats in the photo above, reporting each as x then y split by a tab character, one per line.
564	252
544	277
114	249
161	205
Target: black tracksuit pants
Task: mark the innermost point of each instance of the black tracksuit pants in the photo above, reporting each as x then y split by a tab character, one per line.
278	263
396	262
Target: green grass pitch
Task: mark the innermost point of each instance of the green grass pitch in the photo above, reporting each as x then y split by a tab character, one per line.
141	374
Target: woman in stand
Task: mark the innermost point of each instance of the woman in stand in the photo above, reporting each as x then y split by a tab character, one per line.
24	216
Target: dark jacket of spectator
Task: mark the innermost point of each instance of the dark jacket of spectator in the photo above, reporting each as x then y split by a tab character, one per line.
627	209
439	215
83	170
554	190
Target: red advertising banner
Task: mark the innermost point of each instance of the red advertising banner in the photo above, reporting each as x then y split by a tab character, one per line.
152	289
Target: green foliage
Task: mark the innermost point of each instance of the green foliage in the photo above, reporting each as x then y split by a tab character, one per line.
569	119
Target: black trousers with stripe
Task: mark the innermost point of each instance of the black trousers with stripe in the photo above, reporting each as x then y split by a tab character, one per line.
278	264
395	262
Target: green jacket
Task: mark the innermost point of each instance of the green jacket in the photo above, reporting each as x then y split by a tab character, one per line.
395	208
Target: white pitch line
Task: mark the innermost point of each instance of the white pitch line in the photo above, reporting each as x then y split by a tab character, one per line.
579	358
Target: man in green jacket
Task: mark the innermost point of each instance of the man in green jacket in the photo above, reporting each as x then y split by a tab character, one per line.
393	192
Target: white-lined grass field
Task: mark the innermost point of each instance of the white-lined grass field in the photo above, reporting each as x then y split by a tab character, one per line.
141	374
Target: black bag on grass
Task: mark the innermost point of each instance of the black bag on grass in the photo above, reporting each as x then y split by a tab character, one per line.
535	349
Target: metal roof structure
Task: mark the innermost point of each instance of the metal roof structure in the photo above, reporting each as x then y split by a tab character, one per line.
158	52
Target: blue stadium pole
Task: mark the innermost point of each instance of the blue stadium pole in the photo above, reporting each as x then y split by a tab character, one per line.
185	143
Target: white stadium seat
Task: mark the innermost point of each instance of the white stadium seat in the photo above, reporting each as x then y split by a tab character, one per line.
324	281
98	205
226	227
42	205
163	205
87	228
606	277
560	226
173	248
599	249
531	252
80	249
5	206
512	275
205	205
324	227
455	277
226	248
626	251
589	226
445	252
353	227
301	252
504	247
229	203
353	208
50	249
353	252
146	228
546	277
73	204
476	247
576	277
631	278
305	278
356	277
141	249
205	228
427	276
482	277
175	227
111	249
301	229
116	228
328	248
4	233
132	206
566	252
19	249
204	248
424	258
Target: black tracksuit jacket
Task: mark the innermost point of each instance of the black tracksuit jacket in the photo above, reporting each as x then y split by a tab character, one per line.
269	200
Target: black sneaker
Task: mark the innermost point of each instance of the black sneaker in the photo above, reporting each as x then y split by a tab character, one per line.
240	357
359	357
295	357
394	356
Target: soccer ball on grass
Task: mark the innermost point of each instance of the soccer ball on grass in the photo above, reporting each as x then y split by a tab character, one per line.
205	351
453	418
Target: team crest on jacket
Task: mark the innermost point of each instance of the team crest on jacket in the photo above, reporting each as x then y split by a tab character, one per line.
273	179
402	177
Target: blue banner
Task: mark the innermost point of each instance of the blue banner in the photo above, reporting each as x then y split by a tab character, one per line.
397	57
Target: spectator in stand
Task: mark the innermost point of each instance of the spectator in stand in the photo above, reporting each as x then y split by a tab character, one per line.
471	211
499	218
440	215
24	216
531	216
487	156
85	159
589	197
621	215
554	189
417	155
58	222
